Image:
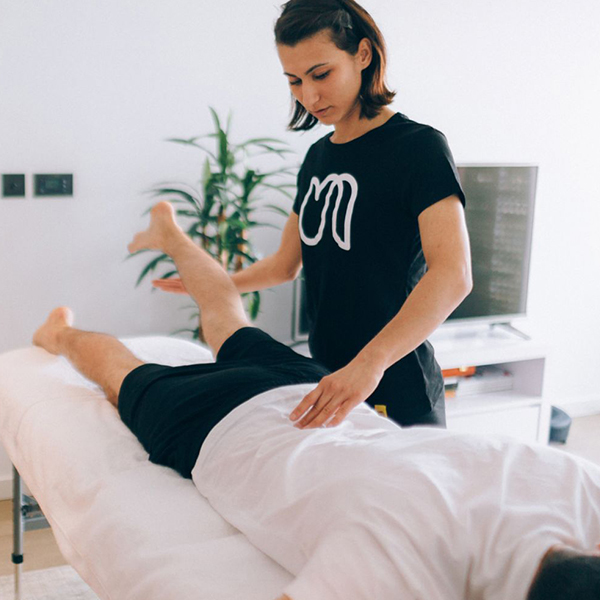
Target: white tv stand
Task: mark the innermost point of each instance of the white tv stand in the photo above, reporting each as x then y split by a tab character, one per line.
522	412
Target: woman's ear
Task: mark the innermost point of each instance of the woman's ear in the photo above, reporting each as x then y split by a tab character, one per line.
365	53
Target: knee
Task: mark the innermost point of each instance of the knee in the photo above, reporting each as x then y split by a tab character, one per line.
216	336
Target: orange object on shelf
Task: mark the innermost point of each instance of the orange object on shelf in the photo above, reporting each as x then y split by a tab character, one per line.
459	372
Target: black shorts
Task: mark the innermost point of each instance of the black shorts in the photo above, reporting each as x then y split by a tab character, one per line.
171	410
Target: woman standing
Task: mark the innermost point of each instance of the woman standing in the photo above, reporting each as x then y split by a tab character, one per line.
377	225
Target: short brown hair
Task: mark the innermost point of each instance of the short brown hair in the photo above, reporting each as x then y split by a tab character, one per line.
348	23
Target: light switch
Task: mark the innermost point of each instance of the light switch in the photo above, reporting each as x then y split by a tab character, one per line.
13	186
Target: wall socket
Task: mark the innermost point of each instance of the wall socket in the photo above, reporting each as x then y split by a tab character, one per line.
53	185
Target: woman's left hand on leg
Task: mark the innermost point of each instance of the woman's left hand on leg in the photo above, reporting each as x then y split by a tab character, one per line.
337	394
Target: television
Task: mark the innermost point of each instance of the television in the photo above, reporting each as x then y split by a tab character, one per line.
500	202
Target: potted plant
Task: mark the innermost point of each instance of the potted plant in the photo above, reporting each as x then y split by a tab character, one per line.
220	209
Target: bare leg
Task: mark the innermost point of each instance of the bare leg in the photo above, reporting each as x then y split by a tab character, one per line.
221	309
101	358
106	361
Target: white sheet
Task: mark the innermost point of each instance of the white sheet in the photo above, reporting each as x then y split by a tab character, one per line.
133	530
368	510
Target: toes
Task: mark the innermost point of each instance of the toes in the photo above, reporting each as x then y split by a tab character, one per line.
136	244
65	314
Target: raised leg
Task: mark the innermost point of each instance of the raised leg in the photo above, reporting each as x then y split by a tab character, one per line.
101	358
221	309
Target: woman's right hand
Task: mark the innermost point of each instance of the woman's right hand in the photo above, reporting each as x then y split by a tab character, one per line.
173	285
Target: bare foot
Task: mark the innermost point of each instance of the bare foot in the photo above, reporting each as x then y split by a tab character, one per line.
46	336
161	229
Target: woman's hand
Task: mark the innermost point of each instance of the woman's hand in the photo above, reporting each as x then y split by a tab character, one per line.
173	285
337	394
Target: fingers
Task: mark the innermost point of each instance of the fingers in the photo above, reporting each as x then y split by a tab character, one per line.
307	402
317	415
322	407
167	283
342	412
170	285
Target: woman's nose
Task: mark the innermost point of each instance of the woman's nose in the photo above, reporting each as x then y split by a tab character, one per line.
310	97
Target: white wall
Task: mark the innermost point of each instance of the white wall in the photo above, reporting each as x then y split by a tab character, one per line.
94	88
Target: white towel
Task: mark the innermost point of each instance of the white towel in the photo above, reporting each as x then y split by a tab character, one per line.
368	510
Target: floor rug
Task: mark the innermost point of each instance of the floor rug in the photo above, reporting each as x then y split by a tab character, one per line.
57	583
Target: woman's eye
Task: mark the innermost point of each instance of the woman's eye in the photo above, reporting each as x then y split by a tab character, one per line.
323	76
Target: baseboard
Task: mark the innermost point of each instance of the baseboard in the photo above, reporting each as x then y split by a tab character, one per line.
583	406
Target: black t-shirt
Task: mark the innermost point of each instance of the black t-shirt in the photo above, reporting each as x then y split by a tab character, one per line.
358	205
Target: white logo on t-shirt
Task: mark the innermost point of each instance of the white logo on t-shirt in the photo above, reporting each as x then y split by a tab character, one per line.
337	183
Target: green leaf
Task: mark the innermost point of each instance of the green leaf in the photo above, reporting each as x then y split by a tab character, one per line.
288	170
206	174
268	149
194	332
256	141
194	306
247	256
265	225
228	129
254	305
192	143
215	118
278	188
189	140
277	209
185	195
169	274
224	157
151	266
187	213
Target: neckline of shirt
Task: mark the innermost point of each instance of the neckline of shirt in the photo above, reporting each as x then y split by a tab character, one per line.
369	133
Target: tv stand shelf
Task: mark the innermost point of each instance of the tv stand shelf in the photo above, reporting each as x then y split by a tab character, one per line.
521	412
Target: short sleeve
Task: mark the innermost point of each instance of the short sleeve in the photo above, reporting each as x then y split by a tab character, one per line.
299	188
298	199
300	183
434	175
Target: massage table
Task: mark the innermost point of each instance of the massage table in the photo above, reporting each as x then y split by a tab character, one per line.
362	510
133	530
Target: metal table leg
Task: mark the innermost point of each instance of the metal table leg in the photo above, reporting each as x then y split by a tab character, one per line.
17	555
27	516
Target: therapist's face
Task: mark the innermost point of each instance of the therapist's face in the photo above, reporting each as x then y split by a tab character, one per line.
321	76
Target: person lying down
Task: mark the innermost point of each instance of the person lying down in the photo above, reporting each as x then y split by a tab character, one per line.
362	509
